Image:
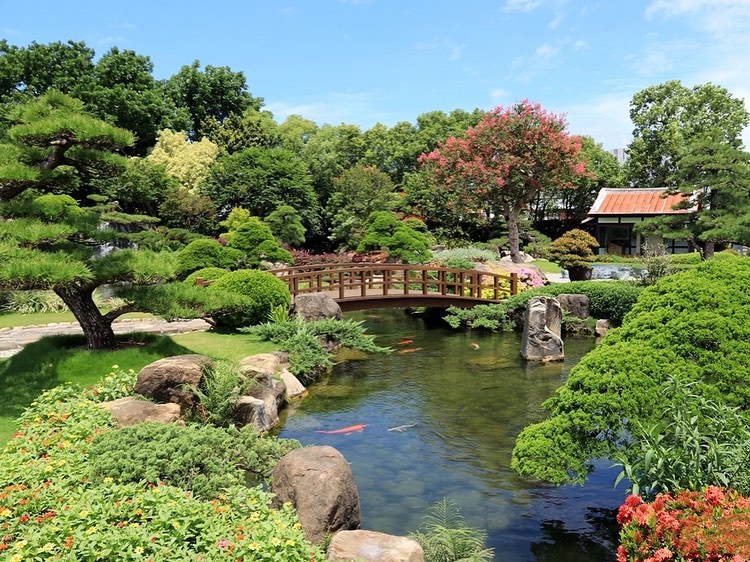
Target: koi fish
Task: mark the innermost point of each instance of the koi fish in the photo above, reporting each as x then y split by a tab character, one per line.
404	342
474	345
343	430
410	350
402	427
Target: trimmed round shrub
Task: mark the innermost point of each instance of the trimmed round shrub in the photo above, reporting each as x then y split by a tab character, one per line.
269	250
575	248
202	253
265	290
207	274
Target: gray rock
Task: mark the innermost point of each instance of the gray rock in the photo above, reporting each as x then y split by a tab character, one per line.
369	546
541	339
293	389
261	406
602	327
166	380
318	482
260	369
130	411
576	305
316	306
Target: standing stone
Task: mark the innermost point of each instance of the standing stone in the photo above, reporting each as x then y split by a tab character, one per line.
602	327
369	546
318	482
575	305
541	339
316	306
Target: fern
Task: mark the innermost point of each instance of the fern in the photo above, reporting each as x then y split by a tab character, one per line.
445	536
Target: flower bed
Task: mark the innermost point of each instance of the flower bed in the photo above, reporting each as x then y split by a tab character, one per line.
53	507
710	525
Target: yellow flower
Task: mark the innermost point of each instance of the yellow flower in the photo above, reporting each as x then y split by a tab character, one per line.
16	558
139	550
275	541
108	480
5	512
115	366
47	547
176	524
254	516
253	546
83	514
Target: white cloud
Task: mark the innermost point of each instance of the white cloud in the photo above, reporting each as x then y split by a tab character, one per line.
555	23
334	108
546	51
604	118
454	50
8	31
110	40
521	5
580	44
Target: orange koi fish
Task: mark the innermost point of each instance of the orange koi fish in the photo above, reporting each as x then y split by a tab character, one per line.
344	430
405	342
410	350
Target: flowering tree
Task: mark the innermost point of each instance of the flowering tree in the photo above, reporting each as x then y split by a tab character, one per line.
503	162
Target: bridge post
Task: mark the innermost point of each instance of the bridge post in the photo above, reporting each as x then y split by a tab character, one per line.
513	283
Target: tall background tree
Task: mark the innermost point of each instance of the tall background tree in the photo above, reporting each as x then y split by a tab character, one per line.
667	117
501	164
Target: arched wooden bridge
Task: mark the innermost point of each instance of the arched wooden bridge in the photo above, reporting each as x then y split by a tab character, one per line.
359	286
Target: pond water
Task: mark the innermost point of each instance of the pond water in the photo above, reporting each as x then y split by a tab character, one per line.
463	408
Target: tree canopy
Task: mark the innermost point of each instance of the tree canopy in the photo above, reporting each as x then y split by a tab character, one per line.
504	161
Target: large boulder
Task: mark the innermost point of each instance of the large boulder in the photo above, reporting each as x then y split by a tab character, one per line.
575	305
263	394
316	306
318	482
602	327
541	339
168	379
130	411
369	546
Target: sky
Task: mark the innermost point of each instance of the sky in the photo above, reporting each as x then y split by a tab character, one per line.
364	62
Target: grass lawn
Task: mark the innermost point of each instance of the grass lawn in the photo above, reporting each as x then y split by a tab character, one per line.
547	266
57	360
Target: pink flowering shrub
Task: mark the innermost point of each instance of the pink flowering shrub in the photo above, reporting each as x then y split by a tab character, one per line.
710	525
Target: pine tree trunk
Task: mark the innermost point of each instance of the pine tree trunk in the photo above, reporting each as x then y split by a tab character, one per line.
708	250
96	328
513	238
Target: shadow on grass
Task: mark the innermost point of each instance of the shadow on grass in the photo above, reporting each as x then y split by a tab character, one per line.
56	360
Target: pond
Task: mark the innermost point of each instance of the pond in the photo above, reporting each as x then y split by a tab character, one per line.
460	399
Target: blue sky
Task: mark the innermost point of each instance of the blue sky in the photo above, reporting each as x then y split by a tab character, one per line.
369	61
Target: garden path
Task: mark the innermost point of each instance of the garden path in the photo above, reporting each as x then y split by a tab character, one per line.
12	340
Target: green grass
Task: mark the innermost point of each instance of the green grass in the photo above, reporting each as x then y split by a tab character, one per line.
57	360
546	266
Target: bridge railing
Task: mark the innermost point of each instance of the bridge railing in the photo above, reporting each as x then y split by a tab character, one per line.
367	280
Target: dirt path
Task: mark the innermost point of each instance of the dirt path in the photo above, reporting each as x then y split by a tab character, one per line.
12	340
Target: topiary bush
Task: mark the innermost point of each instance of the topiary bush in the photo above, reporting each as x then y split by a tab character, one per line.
574	249
385	232
207	274
203	253
257	243
694	325
264	290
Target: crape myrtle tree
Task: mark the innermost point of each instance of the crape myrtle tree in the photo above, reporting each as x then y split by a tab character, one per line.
501	164
51	235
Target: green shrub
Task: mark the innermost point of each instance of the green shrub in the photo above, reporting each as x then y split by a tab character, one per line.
55	506
575	248
222	386
264	291
696	443
203	253
271	251
691	258
466	253
206	273
203	459
302	340
608	299
693	325
384	231
250	234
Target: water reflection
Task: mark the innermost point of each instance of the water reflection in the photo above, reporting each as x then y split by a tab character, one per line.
465	405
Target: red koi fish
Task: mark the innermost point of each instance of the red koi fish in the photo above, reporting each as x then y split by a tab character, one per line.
344	430
405	342
410	350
